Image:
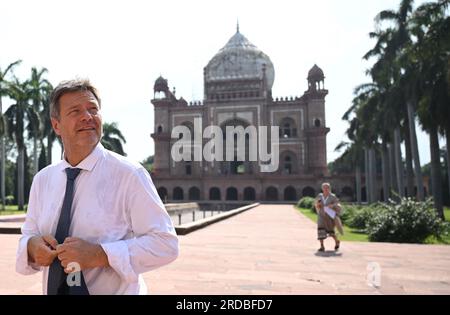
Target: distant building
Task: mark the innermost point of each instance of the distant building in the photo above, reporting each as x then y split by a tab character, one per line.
238	92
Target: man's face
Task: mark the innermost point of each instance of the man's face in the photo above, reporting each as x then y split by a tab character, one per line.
80	121
326	190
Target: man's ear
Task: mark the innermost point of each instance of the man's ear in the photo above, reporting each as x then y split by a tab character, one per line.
55	125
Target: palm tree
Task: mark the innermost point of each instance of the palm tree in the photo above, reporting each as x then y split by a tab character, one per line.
2	125
390	114
364	131
112	138
47	130
353	155
447	131
431	26
396	41
37	86
3	91
15	116
3	161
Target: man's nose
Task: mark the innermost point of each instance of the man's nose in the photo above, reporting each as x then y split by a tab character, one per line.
86	115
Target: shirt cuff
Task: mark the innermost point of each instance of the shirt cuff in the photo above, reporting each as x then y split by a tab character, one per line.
119	260
23	266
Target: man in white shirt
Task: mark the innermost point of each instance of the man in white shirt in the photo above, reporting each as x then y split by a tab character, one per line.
116	226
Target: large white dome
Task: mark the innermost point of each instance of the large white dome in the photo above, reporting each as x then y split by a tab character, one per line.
239	59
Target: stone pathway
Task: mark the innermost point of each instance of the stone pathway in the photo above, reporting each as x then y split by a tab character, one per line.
271	249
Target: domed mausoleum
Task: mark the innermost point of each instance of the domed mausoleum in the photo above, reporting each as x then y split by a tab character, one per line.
238	83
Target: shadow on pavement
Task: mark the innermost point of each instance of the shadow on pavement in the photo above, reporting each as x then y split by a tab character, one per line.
328	253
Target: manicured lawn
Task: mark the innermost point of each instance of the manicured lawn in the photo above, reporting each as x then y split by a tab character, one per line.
350	235
353	235
11	210
445	239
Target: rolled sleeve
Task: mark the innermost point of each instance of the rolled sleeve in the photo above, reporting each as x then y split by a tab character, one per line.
29	229
155	242
23	266
119	260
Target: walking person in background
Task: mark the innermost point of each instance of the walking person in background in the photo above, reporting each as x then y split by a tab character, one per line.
328	210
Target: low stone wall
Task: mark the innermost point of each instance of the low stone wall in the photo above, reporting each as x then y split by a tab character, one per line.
11	224
179	208
196	225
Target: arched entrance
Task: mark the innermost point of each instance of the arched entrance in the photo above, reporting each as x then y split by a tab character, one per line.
249	193
232	194
178	193
290	194
271	194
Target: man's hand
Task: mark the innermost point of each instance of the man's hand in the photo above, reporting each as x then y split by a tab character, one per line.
42	250
85	254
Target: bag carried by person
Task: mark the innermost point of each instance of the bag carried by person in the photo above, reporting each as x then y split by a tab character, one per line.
338	223
337	219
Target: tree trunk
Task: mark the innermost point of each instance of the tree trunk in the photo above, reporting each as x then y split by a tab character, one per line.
373	175
385	171
409	165
392	177
415	152
49	150
398	163
358	183
2	174
447	133
3	162
35	156
436	179
366	174
21	179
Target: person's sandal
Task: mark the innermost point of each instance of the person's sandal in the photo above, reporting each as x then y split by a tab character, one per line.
322	249
337	245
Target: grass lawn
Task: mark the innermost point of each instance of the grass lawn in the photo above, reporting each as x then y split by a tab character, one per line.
353	235
11	210
350	235
446	239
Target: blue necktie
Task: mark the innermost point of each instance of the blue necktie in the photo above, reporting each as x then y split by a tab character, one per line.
57	278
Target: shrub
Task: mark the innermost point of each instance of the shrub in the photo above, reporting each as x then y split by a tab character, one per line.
348	212
9	200
406	222
306	203
362	215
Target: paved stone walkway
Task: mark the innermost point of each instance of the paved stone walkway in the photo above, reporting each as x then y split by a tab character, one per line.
271	249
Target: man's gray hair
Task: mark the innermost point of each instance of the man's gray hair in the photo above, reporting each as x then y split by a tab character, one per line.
326	184
69	86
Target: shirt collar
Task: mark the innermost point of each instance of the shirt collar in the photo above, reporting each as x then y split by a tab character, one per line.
89	162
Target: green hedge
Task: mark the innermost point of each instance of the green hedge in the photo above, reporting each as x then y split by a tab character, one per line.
348	212
306	203
407	222
357	217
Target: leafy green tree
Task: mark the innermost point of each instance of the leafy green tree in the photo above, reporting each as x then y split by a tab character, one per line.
113	138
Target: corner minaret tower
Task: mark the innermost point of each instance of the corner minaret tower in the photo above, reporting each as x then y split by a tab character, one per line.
161	100
316	125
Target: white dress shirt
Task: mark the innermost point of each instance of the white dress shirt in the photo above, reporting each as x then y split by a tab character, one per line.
115	205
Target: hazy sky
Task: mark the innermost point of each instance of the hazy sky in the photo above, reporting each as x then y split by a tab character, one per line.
123	46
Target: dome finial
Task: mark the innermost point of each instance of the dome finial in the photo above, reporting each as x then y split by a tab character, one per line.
237	26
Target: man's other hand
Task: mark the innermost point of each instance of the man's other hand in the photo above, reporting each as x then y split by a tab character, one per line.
42	250
85	254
